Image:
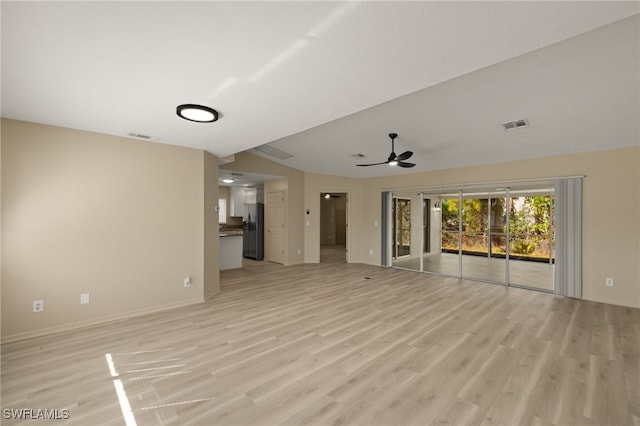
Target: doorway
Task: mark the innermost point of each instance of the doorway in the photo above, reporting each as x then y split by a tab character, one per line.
333	227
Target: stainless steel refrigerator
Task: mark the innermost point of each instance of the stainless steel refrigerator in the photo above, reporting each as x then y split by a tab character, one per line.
253	231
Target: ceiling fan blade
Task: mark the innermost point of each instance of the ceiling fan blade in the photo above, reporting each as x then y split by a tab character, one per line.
373	164
405	164
404	156
394	160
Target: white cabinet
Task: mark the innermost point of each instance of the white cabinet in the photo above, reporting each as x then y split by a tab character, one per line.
230	252
236	196
239	196
250	195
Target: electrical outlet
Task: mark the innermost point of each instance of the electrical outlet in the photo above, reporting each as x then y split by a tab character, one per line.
187	282
608	282
299	251
84	298
370	252
38	306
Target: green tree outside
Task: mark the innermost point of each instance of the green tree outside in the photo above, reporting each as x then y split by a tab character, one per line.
530	226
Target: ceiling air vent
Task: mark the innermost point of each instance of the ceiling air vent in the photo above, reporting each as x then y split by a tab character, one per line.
272	152
141	136
516	124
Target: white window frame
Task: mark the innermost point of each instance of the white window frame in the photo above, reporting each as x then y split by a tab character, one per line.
222	212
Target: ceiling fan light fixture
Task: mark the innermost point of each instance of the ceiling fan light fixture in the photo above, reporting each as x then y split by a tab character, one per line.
393	160
197	113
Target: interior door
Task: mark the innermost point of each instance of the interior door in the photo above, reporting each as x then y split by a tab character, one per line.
275	227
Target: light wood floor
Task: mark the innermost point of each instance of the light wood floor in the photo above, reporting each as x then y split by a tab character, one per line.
333	254
343	344
538	275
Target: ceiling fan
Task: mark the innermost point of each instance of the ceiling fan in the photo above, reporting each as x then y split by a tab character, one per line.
394	160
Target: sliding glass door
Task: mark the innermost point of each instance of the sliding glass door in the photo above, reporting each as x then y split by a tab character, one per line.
499	235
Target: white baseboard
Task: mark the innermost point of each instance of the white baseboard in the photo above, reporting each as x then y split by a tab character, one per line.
103	320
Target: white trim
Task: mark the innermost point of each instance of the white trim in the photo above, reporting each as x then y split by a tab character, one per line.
551	180
74	326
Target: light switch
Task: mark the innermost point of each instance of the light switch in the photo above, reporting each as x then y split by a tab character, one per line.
84	298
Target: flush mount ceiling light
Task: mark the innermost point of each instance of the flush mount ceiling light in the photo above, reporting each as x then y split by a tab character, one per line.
197	113
228	180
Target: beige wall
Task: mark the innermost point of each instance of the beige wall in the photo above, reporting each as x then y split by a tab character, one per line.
211	280
123	220
293	184
1	238
611	212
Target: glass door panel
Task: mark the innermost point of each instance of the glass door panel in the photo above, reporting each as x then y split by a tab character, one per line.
444	257
426	226
531	239
407	232
483	218
432	234
402	227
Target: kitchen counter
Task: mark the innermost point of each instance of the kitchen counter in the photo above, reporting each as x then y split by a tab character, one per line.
230	231
230	234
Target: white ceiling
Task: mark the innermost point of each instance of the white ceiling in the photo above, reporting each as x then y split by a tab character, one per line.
323	80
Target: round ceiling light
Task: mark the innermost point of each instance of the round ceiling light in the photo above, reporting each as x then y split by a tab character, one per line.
197	113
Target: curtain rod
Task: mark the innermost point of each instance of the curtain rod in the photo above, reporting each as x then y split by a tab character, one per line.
491	182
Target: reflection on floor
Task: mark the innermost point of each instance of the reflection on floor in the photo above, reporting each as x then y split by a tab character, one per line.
329	254
521	272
